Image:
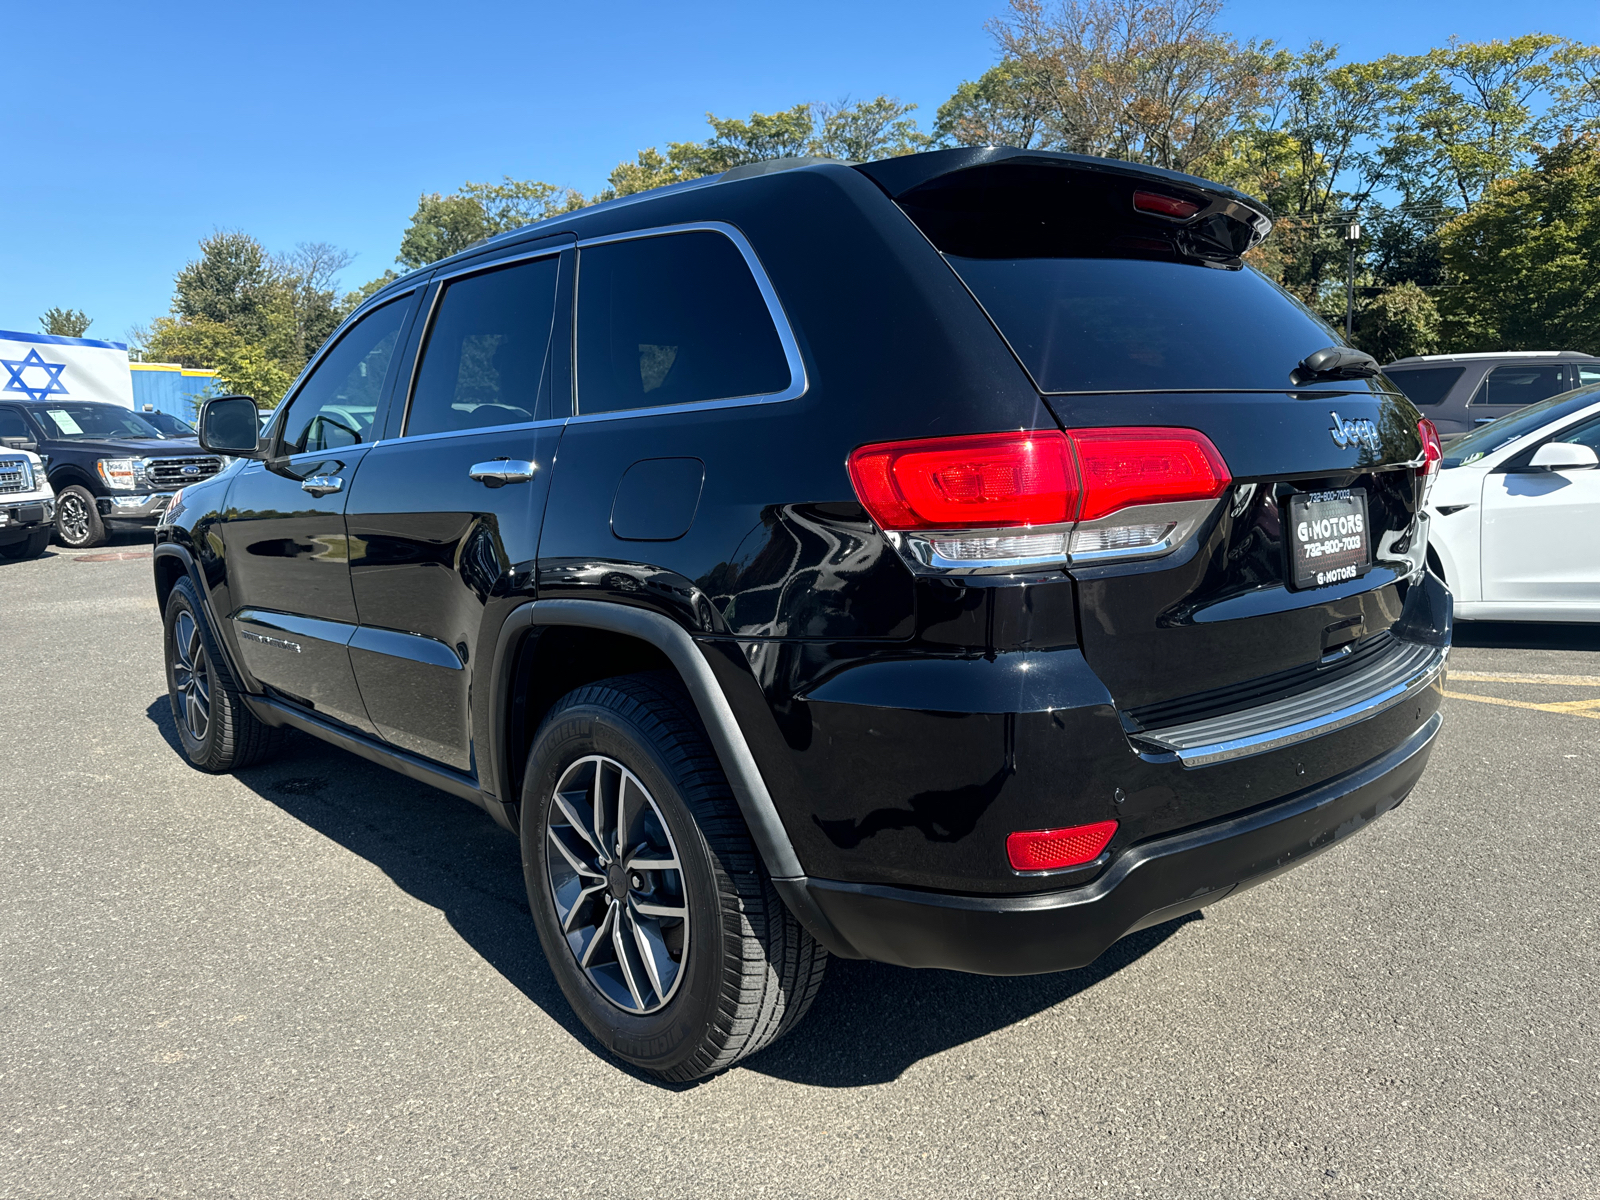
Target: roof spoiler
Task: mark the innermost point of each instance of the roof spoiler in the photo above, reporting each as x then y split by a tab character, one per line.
1126	202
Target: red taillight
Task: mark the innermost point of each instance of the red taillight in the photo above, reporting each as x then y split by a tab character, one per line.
1052	849
991	480
1432	451
1165	206
1146	466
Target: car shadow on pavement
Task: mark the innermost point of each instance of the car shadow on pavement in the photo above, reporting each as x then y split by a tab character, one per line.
870	1022
1525	635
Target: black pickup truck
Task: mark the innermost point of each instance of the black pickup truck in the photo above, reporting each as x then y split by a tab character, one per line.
109	466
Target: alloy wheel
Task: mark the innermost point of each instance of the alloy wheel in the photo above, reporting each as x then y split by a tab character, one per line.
73	520
191	677
618	884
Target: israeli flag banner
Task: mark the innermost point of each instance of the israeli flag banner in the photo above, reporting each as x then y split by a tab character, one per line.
42	366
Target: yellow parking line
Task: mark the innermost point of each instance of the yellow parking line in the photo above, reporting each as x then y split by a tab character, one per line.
1513	677
1568	707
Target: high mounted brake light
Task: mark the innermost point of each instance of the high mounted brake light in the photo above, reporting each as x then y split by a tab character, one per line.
1046	486
1165	206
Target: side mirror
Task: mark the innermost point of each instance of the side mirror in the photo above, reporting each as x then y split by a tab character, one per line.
230	425
1564	456
20	444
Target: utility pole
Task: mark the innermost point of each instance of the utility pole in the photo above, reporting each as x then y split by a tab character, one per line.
1352	235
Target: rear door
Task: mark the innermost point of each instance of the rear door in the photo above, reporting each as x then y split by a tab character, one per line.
1509	387
287	552
1539	531
444	517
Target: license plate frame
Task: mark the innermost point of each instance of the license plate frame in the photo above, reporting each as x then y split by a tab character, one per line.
1329	538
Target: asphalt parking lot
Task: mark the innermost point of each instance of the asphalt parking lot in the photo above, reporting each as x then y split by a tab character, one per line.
320	979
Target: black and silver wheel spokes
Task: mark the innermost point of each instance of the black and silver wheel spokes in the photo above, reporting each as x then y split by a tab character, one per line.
617	884
73	519
191	677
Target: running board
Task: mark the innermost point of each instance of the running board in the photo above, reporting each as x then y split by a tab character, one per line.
278	712
1300	718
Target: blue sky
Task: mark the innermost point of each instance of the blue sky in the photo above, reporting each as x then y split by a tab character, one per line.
131	132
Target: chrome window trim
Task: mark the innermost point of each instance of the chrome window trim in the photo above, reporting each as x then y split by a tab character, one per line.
440	283
445	434
798	381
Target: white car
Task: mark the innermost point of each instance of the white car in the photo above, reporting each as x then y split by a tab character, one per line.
27	504
1516	514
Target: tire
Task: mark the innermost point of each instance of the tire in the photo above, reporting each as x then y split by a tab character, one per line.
746	970
78	522
217	731
31	547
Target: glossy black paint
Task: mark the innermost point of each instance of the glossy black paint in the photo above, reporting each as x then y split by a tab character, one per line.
902	724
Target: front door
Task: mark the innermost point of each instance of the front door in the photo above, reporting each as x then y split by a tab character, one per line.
1539	541
287	552
444	519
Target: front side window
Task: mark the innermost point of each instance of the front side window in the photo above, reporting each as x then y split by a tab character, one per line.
1425	386
338	402
1518	383
485	358
14	425
673	319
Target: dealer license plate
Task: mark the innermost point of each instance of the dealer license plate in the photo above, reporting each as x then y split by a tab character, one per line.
1329	541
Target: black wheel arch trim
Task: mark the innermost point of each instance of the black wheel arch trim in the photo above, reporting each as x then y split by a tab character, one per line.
171	550
727	738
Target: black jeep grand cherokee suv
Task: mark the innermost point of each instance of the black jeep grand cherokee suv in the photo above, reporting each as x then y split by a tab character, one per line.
957	561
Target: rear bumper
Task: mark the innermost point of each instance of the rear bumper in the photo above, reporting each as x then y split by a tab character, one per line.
1151	882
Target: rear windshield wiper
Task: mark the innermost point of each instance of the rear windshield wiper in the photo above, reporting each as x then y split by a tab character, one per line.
1335	362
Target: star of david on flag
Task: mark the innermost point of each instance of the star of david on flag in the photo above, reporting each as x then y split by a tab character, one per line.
51	386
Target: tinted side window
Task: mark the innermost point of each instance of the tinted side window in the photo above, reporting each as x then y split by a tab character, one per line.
1425	385
485	357
1516	383
1587	434
674	319
338	402
14	425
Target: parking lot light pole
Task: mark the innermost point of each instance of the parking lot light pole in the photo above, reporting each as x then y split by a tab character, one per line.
1352	235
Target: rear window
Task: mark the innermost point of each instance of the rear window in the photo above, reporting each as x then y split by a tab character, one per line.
1424	385
1125	324
672	319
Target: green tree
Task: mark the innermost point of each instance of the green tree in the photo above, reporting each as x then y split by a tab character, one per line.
1522	262
1148	81
65	322
446	225
1398	322
255	318
856	131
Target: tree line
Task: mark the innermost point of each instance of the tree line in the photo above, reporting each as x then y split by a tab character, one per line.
1473	171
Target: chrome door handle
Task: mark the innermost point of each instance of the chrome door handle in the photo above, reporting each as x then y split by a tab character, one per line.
500	471
321	485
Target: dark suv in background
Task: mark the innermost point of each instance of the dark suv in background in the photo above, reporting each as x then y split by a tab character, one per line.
111	467
1459	392
956	561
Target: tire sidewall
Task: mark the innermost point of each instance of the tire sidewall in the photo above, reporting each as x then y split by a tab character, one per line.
663	1039
94	528
197	752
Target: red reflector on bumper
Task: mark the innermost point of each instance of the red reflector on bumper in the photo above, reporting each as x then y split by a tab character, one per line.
1051	849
